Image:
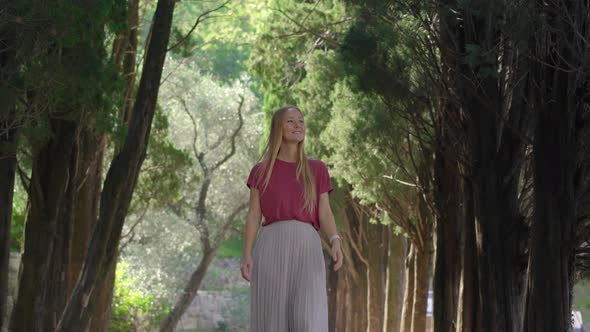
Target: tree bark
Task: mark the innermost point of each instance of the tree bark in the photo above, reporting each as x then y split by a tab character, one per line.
342	295
396	282
469	310
408	305
129	60
553	229
447	270
121	178
47	191
332	282
102	310
422	265
495	158
499	234
77	216
57	269
554	221
88	184
377	246
357	281
8	145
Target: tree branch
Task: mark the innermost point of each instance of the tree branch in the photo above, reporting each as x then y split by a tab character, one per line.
202	16
233	136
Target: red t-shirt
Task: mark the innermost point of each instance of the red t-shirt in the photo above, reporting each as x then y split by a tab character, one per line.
283	198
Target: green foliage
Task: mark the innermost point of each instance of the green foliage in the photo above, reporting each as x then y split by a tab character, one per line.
360	137
17	227
222	42
383	55
314	96
355	69
162	175
187	95
289	36
20	199
232	247
66	72
131	308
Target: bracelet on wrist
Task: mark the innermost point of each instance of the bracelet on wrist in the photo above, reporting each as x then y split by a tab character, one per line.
334	237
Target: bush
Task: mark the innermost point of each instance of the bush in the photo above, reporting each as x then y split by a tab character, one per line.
132	310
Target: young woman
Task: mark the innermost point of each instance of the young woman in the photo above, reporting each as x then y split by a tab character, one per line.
286	269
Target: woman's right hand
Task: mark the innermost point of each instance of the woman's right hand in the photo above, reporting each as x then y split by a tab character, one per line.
246	267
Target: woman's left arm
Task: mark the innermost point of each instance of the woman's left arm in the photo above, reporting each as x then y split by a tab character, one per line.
328	224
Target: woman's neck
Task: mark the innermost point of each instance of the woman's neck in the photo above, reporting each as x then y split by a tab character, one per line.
288	152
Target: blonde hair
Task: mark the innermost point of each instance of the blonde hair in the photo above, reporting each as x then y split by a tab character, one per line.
271	151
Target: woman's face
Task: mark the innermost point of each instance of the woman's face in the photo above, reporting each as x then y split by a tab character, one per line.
293	126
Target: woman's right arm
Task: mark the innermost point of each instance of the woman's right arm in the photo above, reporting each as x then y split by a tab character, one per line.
252	225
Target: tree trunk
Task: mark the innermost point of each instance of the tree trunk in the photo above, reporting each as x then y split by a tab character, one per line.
357	281
377	248
102	310
48	188
332	282
129	60
56	273
121	178
450	133
469	311
421	269
358	301
342	295
553	229
396	282
447	270
170	322
76	215
499	236
88	182
496	154
408	306
8	145
554	221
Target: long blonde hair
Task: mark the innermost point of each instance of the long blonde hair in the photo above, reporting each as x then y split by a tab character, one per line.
271	151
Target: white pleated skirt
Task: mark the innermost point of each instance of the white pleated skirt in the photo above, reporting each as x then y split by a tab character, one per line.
288	284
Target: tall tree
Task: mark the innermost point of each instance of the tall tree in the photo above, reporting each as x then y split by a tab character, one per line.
497	123
209	242
8	144
121	178
58	97
560	93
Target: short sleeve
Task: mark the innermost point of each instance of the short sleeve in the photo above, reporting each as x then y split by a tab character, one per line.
253	177
324	183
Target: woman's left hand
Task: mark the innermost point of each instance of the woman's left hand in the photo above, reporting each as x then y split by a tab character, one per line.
337	254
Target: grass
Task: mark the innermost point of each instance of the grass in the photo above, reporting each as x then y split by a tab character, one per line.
582	301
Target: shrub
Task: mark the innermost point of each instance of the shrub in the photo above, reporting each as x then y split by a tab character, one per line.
132	310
